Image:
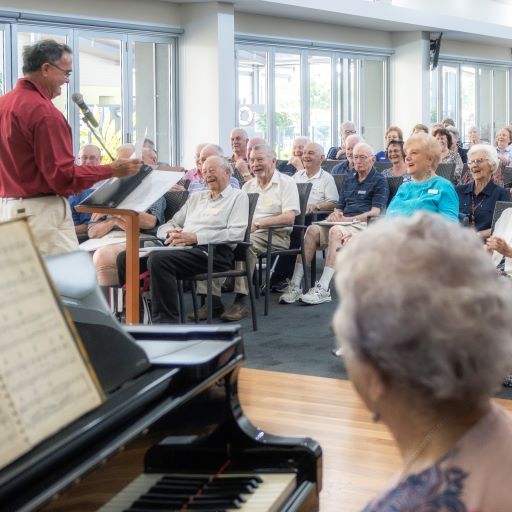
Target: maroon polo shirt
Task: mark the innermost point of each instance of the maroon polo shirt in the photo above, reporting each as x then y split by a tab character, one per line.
36	151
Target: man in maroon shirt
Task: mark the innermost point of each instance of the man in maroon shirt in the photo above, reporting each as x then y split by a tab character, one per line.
37	166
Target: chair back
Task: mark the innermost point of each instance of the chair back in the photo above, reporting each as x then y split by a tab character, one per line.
380	166
280	162
253	200
237	175
507	177
394	183
304	191
327	165
184	183
499	208
446	171
339	179
174	200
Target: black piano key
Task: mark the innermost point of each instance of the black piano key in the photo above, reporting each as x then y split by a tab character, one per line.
164	487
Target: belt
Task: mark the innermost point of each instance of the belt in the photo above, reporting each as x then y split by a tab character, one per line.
38	196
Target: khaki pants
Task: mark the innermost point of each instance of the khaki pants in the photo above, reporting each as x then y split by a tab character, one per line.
49	218
350	229
259	241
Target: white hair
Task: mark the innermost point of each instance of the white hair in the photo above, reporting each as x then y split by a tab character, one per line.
489	150
353	137
434	320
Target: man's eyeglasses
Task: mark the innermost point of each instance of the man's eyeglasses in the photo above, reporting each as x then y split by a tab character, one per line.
477	161
67	72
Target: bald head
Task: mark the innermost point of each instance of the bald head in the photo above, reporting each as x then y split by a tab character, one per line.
350	144
254	141
312	157
90	154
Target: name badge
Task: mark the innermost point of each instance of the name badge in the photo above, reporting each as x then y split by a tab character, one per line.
433	191
267	201
212	210
361	192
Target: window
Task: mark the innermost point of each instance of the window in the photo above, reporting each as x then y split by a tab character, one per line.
287	115
252	92
100	84
309	92
320	107
126	77
472	94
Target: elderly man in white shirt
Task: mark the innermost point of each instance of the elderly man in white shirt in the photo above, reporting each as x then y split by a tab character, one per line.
278	203
323	197
214	215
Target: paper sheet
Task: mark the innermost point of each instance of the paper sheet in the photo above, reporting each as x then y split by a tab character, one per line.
45	383
153	187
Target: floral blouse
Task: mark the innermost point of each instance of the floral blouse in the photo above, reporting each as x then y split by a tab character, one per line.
472	477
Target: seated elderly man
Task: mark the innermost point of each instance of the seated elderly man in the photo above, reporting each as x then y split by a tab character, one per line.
338	153
278	203
294	163
323	197
214	215
347	166
363	195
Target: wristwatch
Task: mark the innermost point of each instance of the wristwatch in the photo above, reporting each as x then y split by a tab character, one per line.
257	224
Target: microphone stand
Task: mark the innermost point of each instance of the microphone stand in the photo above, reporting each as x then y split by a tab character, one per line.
98	138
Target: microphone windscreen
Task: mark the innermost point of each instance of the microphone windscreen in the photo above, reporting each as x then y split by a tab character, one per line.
77	97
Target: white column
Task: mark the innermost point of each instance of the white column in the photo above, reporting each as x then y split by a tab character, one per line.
207	77
410	80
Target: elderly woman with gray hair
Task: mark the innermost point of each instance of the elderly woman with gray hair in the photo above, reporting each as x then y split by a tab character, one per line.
478	198
426	343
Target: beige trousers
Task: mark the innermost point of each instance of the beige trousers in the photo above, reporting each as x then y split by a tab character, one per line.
49	219
259	241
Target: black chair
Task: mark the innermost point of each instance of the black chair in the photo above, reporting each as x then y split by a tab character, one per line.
394	183
499	208
298	231
339	179
174	200
507	177
380	166
240	255
327	165
447	171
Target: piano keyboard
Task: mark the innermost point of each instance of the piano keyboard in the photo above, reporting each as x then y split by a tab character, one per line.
227	492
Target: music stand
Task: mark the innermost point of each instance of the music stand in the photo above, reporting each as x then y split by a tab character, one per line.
132	256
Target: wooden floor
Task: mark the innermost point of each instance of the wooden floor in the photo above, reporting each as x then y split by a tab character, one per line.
359	456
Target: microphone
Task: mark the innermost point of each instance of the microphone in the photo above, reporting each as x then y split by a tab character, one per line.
79	100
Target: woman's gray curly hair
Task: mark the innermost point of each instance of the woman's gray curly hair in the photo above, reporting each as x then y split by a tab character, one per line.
421	301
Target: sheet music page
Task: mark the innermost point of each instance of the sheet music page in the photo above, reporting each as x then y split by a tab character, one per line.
45	382
152	187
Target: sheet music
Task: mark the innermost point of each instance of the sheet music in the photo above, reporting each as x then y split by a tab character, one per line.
152	187
45	383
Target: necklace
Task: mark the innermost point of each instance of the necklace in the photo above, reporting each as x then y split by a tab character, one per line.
475	206
421	446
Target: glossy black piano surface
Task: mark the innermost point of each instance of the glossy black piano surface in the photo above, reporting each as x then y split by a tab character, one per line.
182	415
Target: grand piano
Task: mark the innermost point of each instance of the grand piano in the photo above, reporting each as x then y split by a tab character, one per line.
171	434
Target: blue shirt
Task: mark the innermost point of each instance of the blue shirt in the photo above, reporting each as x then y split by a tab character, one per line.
361	196
79	218
331	154
382	156
434	195
286	168
343	168
480	208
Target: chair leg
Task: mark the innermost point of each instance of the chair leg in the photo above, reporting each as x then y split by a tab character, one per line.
267	282
194	303
250	285
255	280
181	300
209	287
313	270
304	266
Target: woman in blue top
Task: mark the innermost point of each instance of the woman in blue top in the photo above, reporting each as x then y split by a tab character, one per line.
426	190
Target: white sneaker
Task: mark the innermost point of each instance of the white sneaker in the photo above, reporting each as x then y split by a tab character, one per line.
316	295
291	294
